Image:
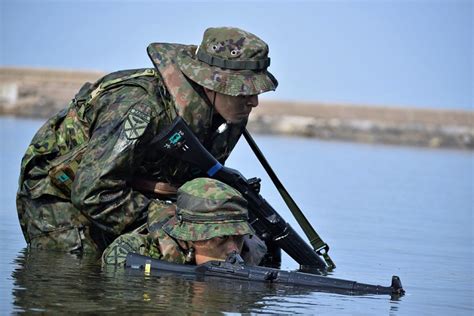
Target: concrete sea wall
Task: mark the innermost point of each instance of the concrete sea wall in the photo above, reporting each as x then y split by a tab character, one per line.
42	92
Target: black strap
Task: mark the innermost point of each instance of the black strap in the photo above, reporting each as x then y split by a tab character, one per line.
258	64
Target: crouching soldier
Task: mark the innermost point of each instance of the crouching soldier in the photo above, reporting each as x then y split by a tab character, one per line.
208	221
83	179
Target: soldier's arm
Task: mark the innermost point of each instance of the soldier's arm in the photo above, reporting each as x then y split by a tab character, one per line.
125	124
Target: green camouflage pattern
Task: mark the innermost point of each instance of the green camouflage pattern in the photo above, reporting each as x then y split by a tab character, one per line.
229	44
88	142
75	191
116	253
156	245
191	103
159	212
207	208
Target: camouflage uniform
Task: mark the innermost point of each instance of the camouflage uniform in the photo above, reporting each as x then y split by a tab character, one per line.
205	209
76	187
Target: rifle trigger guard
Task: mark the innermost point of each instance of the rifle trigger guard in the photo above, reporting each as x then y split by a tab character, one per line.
254	183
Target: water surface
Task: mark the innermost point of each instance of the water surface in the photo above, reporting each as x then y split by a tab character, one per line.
383	210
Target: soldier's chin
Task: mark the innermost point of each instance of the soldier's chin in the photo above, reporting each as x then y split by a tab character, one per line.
237	119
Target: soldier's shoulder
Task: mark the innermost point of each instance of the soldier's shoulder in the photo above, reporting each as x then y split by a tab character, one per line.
130	76
126	74
123	89
133	84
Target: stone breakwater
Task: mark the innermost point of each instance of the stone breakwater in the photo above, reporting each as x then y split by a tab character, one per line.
40	93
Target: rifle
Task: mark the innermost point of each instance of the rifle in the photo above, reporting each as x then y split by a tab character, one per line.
234	268
180	142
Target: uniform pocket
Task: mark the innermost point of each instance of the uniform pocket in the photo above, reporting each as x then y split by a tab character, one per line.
65	238
63	169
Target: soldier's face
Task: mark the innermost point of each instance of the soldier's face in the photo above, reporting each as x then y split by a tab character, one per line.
217	248
234	109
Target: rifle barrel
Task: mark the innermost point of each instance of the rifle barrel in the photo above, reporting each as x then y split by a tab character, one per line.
228	270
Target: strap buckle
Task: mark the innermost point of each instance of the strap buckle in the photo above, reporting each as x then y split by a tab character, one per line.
324	252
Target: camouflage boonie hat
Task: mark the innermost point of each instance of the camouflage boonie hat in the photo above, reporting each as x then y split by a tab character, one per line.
207	208
229	61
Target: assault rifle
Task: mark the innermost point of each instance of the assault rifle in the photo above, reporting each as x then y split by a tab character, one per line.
235	268
180	142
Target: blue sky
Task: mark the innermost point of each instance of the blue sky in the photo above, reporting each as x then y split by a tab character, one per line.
396	53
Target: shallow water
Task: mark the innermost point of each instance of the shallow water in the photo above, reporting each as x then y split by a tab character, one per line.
383	210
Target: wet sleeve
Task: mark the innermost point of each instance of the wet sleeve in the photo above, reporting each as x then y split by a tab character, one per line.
116	253
123	128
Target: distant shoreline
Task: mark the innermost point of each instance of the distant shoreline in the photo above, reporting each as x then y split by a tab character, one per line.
368	124
40	93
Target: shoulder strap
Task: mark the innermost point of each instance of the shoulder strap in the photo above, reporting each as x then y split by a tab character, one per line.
89	91
112	79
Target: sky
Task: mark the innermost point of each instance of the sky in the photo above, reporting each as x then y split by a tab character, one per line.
392	53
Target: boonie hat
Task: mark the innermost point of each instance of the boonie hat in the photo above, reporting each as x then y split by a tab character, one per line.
207	208
229	61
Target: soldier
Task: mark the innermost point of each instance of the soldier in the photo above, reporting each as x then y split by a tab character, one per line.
85	178
208	221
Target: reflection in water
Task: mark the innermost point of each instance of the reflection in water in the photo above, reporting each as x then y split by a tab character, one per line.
55	282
